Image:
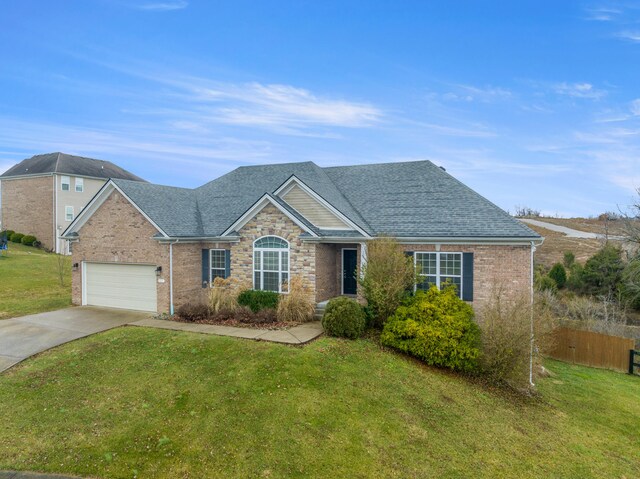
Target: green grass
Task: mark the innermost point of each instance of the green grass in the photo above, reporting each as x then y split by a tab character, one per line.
29	282
136	402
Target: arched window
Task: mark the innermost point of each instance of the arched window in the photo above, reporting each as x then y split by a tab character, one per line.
271	264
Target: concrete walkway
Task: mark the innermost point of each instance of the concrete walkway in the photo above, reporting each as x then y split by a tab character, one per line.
296	335
569	232
23	337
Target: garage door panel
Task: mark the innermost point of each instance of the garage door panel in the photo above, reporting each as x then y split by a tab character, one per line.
123	286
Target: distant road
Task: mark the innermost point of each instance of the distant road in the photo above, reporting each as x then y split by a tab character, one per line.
570	232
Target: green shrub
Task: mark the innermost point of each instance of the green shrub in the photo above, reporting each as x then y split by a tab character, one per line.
344	318
544	282
387	277
602	273
258	300
7	234
28	240
631	283
574	281
16	237
569	259
559	275
437	327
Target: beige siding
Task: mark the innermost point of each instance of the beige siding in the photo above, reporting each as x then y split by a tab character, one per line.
316	213
74	199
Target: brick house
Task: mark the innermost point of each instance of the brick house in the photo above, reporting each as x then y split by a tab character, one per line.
151	247
42	195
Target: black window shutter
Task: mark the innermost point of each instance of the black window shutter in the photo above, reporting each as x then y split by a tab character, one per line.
227	263
205	268
467	276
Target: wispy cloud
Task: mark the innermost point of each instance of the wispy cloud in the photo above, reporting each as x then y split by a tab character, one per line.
165	6
634	107
579	90
470	93
602	14
256	104
633	36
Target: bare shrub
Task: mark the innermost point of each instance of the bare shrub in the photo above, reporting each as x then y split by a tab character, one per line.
524	211
386	278
603	314
296	307
63	268
223	295
506	325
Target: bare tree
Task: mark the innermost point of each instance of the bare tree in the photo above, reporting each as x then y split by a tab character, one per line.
632	222
62	267
524	211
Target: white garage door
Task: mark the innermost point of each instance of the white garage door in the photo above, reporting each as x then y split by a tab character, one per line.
126	286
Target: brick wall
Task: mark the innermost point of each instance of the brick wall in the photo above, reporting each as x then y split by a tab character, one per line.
187	272
503	266
115	233
27	207
270	221
327	276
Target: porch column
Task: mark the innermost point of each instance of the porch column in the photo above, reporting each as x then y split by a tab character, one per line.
363	257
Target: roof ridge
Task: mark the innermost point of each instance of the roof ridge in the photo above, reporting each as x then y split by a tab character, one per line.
55	168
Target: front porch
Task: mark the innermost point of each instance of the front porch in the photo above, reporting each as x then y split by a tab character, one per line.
337	267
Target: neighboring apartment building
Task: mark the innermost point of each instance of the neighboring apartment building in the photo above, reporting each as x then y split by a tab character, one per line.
43	194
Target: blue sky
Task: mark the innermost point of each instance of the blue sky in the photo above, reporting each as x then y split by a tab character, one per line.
530	103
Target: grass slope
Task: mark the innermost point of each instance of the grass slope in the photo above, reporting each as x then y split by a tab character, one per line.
29	282
136	402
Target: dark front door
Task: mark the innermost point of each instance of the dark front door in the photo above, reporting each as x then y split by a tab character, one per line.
349	266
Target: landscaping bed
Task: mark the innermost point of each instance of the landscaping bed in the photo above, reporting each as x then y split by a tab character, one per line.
240	318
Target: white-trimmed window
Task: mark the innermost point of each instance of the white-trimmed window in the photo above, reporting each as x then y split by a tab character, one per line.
218	264
271	264
68	213
439	269
65	183
79	185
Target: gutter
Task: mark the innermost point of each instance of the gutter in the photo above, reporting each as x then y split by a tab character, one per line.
425	240
187	239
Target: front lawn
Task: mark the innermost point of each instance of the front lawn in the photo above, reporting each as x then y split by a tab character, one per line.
135	402
29	282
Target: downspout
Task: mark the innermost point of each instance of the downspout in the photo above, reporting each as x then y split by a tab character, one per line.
55	214
531	383
171	276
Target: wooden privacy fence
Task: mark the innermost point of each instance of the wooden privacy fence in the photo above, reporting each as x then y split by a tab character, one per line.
592	349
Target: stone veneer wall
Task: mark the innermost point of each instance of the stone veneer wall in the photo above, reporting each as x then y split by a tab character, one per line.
27	207
270	221
493	265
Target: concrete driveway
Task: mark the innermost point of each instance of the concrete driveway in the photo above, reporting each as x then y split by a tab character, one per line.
23	337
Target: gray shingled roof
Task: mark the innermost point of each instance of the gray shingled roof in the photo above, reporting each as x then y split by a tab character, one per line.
412	199
420	199
70	165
